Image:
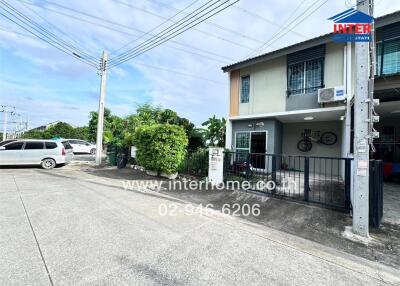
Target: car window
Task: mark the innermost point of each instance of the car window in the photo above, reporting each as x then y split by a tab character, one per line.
67	145
14	146
2	143
33	145
51	145
72	142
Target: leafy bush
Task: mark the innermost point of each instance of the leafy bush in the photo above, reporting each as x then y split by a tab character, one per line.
160	147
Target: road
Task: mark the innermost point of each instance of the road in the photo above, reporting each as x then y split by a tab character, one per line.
68	227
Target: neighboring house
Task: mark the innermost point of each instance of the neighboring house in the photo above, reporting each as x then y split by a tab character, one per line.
45	127
274	97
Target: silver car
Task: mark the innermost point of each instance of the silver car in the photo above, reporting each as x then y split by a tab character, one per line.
47	153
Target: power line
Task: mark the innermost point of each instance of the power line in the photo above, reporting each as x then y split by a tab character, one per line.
135	52
54	27
27	24
266	19
192	15
156	27
93	16
43	31
175	72
132	29
237	33
279	34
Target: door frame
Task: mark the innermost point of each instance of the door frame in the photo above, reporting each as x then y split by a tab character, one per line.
249	149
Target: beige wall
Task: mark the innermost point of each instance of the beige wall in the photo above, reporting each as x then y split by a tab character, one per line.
267	87
268	82
334	65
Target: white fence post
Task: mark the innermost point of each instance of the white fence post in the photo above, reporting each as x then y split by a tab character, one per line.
216	165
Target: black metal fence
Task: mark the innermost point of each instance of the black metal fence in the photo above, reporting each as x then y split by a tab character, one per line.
195	164
375	192
321	180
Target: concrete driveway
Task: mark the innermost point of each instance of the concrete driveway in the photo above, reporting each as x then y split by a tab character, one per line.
68	227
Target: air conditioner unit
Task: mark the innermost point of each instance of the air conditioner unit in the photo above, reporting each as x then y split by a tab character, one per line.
331	94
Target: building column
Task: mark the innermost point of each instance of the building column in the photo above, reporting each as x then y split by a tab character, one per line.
228	135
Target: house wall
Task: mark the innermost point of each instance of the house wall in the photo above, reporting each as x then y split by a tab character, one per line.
292	134
267	87
271	125
329	167
333	76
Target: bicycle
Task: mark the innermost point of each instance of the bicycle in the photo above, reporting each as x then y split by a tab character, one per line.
327	138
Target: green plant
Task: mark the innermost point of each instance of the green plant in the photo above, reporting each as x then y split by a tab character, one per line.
160	147
215	133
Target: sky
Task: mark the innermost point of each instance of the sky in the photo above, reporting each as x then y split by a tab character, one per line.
47	85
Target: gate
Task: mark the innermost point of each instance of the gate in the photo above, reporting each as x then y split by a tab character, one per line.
321	180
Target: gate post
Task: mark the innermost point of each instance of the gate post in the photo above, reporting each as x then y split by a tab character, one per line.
216	165
306	178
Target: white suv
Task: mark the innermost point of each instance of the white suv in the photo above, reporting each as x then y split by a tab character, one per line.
47	153
81	146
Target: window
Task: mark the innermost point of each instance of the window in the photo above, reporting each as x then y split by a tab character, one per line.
51	145
390	51
67	145
14	146
33	145
306	76
242	144
245	89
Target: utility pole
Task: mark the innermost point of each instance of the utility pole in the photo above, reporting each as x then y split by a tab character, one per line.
362	134
6	109
100	115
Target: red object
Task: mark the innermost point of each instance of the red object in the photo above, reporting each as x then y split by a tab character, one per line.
63	151
387	169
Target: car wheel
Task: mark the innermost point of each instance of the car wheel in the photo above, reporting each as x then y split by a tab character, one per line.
48	163
93	151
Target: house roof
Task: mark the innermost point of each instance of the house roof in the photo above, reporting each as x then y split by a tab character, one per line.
323	39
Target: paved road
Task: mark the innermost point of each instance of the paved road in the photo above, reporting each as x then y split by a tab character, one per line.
68	227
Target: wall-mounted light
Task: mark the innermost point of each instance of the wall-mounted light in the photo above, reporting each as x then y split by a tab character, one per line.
250	125
342	117
308	118
260	124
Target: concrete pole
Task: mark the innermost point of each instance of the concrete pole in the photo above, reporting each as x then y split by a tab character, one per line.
100	115
361	134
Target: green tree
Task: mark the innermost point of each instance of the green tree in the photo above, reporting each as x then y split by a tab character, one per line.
81	133
61	129
215	131
92	127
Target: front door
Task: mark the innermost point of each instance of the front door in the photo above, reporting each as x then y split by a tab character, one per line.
258	148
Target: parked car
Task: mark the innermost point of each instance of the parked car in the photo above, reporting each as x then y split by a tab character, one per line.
47	153
81	146
2	143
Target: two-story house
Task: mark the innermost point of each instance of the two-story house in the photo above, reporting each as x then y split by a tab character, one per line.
274	98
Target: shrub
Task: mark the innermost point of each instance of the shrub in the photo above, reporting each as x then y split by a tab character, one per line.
160	147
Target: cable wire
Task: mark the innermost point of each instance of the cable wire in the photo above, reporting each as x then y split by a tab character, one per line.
279	34
42	37
177	32
133	29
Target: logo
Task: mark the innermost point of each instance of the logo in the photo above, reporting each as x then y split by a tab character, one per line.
352	26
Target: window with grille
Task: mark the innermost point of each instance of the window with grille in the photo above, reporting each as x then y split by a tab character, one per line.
306	76
388	53
245	90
